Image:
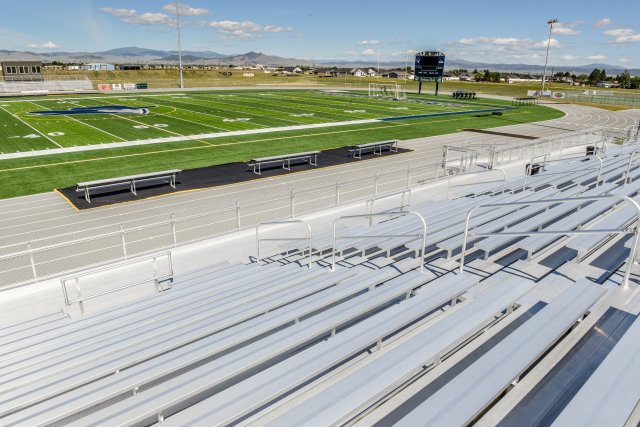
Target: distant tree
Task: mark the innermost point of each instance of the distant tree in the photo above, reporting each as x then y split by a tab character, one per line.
486	76
603	75
624	79
594	76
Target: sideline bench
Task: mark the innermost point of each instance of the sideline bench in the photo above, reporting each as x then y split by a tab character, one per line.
528	100
311	157
130	180
377	147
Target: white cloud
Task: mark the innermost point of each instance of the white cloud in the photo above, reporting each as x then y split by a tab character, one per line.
552	43
245	29
604	22
619	32
570	57
47	45
508	42
404	52
623	60
564	31
623	35
131	16
368	42
369	52
118	12
185	10
597	57
512	41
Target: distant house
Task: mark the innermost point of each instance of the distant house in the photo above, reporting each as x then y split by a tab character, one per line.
604	84
97	66
447	77
292	70
465	78
372	73
398	75
130	67
356	72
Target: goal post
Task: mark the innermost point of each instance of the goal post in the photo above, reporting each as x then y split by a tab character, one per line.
387	91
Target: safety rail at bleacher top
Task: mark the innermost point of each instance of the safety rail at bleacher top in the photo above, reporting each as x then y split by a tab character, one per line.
156	278
635	230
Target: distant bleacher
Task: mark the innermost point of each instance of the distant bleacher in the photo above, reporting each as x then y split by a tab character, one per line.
49	84
508	306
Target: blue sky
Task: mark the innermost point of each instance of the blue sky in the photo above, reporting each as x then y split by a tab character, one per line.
495	31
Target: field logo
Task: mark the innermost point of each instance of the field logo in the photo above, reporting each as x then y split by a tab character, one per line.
109	109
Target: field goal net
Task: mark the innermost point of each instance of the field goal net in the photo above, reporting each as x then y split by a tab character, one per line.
386	91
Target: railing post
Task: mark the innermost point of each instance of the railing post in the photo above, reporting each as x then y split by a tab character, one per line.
375	185
292	208
337	191
33	262
124	244
238	215
464	239
173	230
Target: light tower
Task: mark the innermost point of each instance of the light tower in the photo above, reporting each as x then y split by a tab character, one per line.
546	59
179	43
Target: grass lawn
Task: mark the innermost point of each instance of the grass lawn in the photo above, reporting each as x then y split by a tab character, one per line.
184	115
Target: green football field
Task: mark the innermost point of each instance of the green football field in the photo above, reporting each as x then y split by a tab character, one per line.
195	129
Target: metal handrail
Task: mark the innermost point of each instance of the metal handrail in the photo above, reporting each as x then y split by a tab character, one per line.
635	230
76	278
626	175
528	169
422	235
504	179
283	239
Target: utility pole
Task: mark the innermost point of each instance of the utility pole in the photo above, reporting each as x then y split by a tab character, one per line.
546	60
179	43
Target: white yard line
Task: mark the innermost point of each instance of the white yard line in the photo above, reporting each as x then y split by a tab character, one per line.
86	124
36	130
181	138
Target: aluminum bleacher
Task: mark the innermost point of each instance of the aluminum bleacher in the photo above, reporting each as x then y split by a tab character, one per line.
385	325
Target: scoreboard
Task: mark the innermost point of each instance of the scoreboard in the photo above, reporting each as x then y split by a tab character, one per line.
429	66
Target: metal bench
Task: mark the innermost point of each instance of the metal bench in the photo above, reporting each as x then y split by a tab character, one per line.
310	156
235	402
611	394
355	393
80	352
377	147
130	180
586	244
178	392
467	395
55	395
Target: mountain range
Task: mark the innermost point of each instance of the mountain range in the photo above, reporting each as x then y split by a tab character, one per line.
137	55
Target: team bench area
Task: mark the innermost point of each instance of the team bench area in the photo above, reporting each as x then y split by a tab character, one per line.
310	157
131	180
376	147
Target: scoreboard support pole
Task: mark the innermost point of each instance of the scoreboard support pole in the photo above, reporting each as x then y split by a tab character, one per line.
437	86
420	87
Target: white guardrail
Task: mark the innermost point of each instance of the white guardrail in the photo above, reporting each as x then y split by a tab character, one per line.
39	259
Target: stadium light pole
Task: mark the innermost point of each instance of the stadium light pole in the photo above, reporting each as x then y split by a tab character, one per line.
179	43
546	59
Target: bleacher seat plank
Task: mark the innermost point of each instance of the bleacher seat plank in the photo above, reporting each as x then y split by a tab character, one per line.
467	395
